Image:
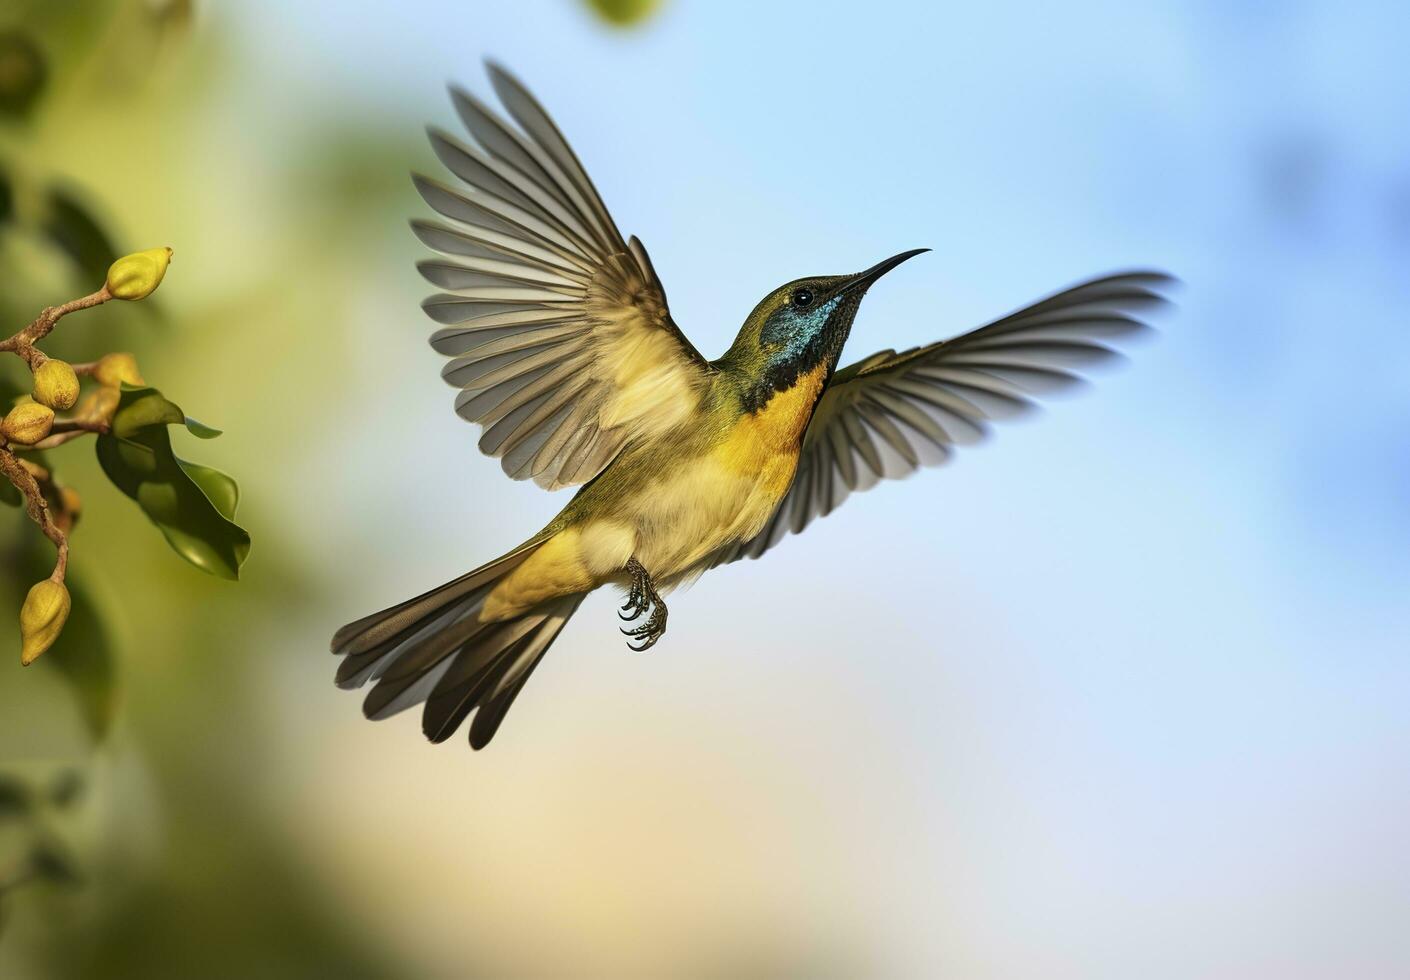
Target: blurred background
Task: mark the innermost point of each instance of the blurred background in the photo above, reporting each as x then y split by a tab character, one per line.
1122	693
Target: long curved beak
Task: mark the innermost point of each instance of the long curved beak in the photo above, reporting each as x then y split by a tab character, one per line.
864	279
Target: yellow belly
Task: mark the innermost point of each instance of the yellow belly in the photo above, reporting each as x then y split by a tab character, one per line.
691	510
728	494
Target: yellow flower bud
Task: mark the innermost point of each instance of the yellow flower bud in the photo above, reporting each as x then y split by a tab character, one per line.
56	385
28	423
99	405
113	369
135	276
42	618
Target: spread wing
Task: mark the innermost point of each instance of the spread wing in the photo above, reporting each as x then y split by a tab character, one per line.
558	331
890	414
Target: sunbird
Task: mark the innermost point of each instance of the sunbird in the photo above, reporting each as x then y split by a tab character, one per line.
565	352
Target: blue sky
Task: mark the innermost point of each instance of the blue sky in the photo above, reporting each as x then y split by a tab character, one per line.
1137	668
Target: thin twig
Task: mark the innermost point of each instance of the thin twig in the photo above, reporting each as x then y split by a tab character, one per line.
66	430
59	506
23	342
52	441
37	508
79	426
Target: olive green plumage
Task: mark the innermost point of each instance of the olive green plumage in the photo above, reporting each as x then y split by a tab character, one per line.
564	351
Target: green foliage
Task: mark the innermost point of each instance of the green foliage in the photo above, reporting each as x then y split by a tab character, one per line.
22	73
71	227
624	13
83	654
193	505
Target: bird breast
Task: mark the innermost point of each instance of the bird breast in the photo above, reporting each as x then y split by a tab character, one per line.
694	503
727	493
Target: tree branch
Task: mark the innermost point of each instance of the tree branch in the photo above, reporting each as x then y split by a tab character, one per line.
22	343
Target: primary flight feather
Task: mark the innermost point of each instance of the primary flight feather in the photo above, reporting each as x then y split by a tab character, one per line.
565	353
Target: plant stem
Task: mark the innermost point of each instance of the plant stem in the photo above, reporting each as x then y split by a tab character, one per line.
23	342
37	508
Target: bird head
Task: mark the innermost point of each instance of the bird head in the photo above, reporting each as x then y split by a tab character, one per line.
801	325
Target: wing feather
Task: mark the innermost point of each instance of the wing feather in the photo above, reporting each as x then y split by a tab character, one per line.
558	330
890	414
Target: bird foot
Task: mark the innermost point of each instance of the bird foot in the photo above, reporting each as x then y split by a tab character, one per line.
643	596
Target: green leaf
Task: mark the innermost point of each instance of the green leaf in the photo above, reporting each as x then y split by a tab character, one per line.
141	407
7	197
23	73
220	488
193	505
200	430
9	495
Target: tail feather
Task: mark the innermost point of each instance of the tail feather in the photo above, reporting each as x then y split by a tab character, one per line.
433	648
363	634
431	657
491	683
493	710
359	668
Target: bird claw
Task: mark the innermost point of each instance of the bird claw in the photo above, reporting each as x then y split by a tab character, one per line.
635	605
643	596
648	633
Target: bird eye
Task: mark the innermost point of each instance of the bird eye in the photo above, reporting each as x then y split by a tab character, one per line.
802	298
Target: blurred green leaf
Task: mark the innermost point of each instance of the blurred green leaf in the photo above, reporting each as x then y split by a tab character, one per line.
171	15
22	73
70	226
53	862
83	653
9	495
14	797
623	13
194	506
7	197
67	788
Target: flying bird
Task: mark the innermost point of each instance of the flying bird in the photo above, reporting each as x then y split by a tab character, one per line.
566	354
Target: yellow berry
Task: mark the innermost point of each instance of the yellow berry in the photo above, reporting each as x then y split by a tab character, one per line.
27	423
135	276
56	385
113	369
42	618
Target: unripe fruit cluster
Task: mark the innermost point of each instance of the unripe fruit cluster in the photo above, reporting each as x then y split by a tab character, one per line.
56	387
